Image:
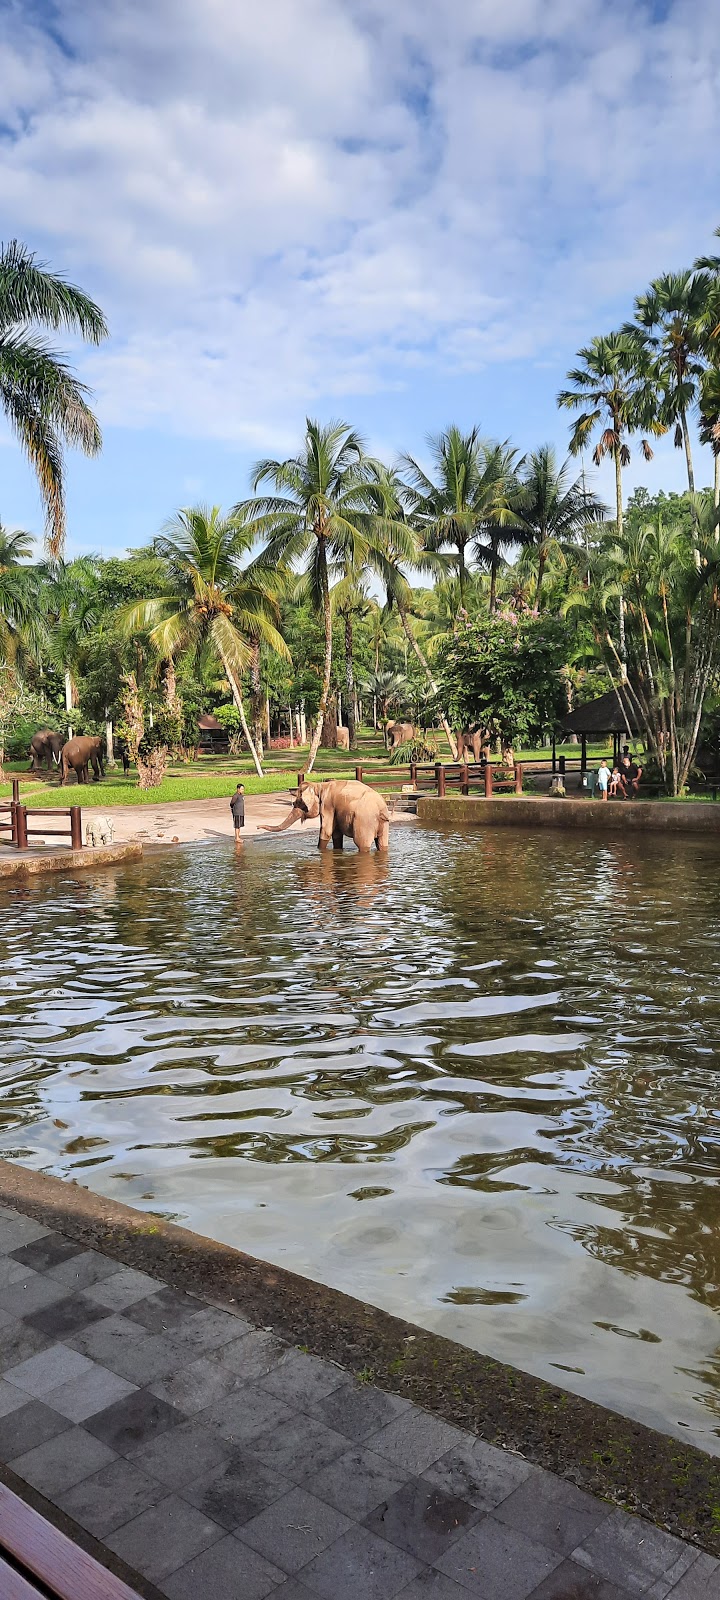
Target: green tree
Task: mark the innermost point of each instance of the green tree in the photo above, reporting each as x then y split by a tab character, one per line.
44	403
211	603
615	384
316	519
551	509
503	673
17	597
465	506
669	327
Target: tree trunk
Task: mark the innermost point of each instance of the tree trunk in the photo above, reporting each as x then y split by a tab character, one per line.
256	696
542	558
303	724
350	681
494	563
412	641
109	744
290	724
462	575
330	725
327	667
619	527
688	454
237	697
716	487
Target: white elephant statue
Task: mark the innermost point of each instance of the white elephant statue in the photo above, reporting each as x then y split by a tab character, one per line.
99	830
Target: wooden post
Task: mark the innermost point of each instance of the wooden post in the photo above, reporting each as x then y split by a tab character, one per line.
440	779
21	838
583	755
554	753
413	774
300	779
488	780
464	779
518	778
75	828
358	775
16	791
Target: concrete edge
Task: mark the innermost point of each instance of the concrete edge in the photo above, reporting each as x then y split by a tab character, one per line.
106	855
651	1474
526	811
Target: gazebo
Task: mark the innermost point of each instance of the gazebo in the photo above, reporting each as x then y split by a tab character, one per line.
212	736
610	714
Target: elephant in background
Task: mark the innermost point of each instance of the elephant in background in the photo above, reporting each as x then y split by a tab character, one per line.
79	754
472	742
398	733
347	810
45	749
343	738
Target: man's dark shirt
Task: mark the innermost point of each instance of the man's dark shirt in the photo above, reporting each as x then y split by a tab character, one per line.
237	806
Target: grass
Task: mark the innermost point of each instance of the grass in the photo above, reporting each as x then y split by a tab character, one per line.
215	777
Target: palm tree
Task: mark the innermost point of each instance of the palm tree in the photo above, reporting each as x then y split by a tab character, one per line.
616	386
709	406
44	403
18	610
316	517
468	496
350	602
72	608
551	510
494	498
668	325
212	605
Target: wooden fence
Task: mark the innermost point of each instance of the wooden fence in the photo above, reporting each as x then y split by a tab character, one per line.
14	819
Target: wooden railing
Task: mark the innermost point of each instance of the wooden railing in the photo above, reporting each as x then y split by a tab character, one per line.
436	777
14	819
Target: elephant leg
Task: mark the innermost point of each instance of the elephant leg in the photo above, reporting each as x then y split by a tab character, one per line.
327	829
383	835
337	838
96	769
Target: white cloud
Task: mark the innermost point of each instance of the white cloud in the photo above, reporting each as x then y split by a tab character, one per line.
280	203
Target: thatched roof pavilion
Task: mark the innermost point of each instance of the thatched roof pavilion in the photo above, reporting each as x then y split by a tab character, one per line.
612	713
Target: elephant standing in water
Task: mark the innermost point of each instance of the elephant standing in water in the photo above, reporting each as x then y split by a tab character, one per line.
79	754
347	810
45	749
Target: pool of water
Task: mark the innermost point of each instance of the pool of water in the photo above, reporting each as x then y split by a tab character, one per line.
475	1082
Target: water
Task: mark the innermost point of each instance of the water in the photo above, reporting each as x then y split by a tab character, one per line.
475	1083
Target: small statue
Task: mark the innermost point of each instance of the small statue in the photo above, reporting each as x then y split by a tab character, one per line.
99	830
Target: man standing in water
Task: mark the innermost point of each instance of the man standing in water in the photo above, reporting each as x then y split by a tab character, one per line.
237	806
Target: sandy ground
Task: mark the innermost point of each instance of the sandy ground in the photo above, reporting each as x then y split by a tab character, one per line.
192	821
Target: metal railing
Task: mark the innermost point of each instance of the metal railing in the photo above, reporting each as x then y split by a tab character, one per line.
21	831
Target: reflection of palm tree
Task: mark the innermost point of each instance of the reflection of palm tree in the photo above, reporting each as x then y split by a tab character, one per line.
315	517
211	604
44	404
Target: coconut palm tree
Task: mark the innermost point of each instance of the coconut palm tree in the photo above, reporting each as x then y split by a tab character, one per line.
465	506
18	608
551	509
669	326
316	518
211	604
44	403
709	407
495	503
351	603
615	386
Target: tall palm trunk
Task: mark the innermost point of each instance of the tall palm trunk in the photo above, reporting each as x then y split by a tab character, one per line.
327	667
716	486
619	526
257	696
688	453
237	697
462	573
542	558
422	658
350	681
494	564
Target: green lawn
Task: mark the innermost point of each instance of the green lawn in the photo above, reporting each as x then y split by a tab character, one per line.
213	777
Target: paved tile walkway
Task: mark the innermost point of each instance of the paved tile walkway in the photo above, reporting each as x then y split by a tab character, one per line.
218	1462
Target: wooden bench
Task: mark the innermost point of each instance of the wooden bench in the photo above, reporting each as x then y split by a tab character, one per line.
37	1561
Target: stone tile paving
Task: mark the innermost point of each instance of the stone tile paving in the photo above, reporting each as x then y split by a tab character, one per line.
216	1461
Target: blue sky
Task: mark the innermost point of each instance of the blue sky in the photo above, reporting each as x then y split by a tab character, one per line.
402	214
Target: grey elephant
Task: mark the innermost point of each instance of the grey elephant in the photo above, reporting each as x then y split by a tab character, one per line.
78	755
45	749
347	810
398	733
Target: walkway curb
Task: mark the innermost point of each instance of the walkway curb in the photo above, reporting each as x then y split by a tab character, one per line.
649	1473
609	816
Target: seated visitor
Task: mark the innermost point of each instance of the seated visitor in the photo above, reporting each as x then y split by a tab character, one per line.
615	782
633	774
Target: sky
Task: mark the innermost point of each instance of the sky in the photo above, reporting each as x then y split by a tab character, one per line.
402	214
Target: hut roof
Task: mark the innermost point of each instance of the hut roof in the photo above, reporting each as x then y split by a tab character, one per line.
610	714
208	721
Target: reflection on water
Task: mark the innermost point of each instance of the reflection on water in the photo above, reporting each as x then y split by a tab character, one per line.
473	1082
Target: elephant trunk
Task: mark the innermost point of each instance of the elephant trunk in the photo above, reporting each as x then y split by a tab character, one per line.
292	816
